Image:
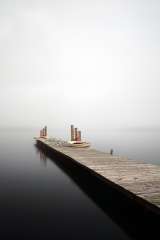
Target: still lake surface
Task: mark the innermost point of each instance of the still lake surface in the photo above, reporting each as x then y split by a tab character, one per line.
38	200
141	144
137	144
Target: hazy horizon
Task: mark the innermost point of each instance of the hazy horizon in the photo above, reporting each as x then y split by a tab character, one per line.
91	63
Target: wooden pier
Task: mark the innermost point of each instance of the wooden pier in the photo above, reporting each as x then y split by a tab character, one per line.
141	179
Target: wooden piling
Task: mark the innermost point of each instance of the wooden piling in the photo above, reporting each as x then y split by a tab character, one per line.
72	133
79	136
76	134
45	131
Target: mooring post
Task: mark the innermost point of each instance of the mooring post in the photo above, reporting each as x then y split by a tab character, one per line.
72	133
79	136
111	151
45	131
76	134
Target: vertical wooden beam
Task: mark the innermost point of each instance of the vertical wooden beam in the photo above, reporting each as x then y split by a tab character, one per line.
79	136
76	134
45	131
72	133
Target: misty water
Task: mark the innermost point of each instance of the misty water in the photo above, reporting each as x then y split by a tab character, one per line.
142	144
38	199
137	144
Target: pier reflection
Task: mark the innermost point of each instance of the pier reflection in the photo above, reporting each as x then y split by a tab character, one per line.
42	157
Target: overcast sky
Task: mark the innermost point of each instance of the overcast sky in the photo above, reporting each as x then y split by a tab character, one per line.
95	63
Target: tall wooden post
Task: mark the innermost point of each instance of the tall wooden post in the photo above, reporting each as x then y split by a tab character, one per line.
72	133
76	134
79	136
45	131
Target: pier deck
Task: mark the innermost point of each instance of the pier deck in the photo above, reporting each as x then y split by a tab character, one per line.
140	178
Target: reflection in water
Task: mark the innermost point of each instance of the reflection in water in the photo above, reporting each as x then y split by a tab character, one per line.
42	156
44	202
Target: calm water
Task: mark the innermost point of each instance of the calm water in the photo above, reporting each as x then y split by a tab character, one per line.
137	144
38	200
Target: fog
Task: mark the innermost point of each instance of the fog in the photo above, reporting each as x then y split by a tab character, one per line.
91	63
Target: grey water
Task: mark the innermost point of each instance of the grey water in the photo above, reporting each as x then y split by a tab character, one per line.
38	199
142	144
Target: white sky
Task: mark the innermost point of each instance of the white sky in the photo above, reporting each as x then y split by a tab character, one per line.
93	63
